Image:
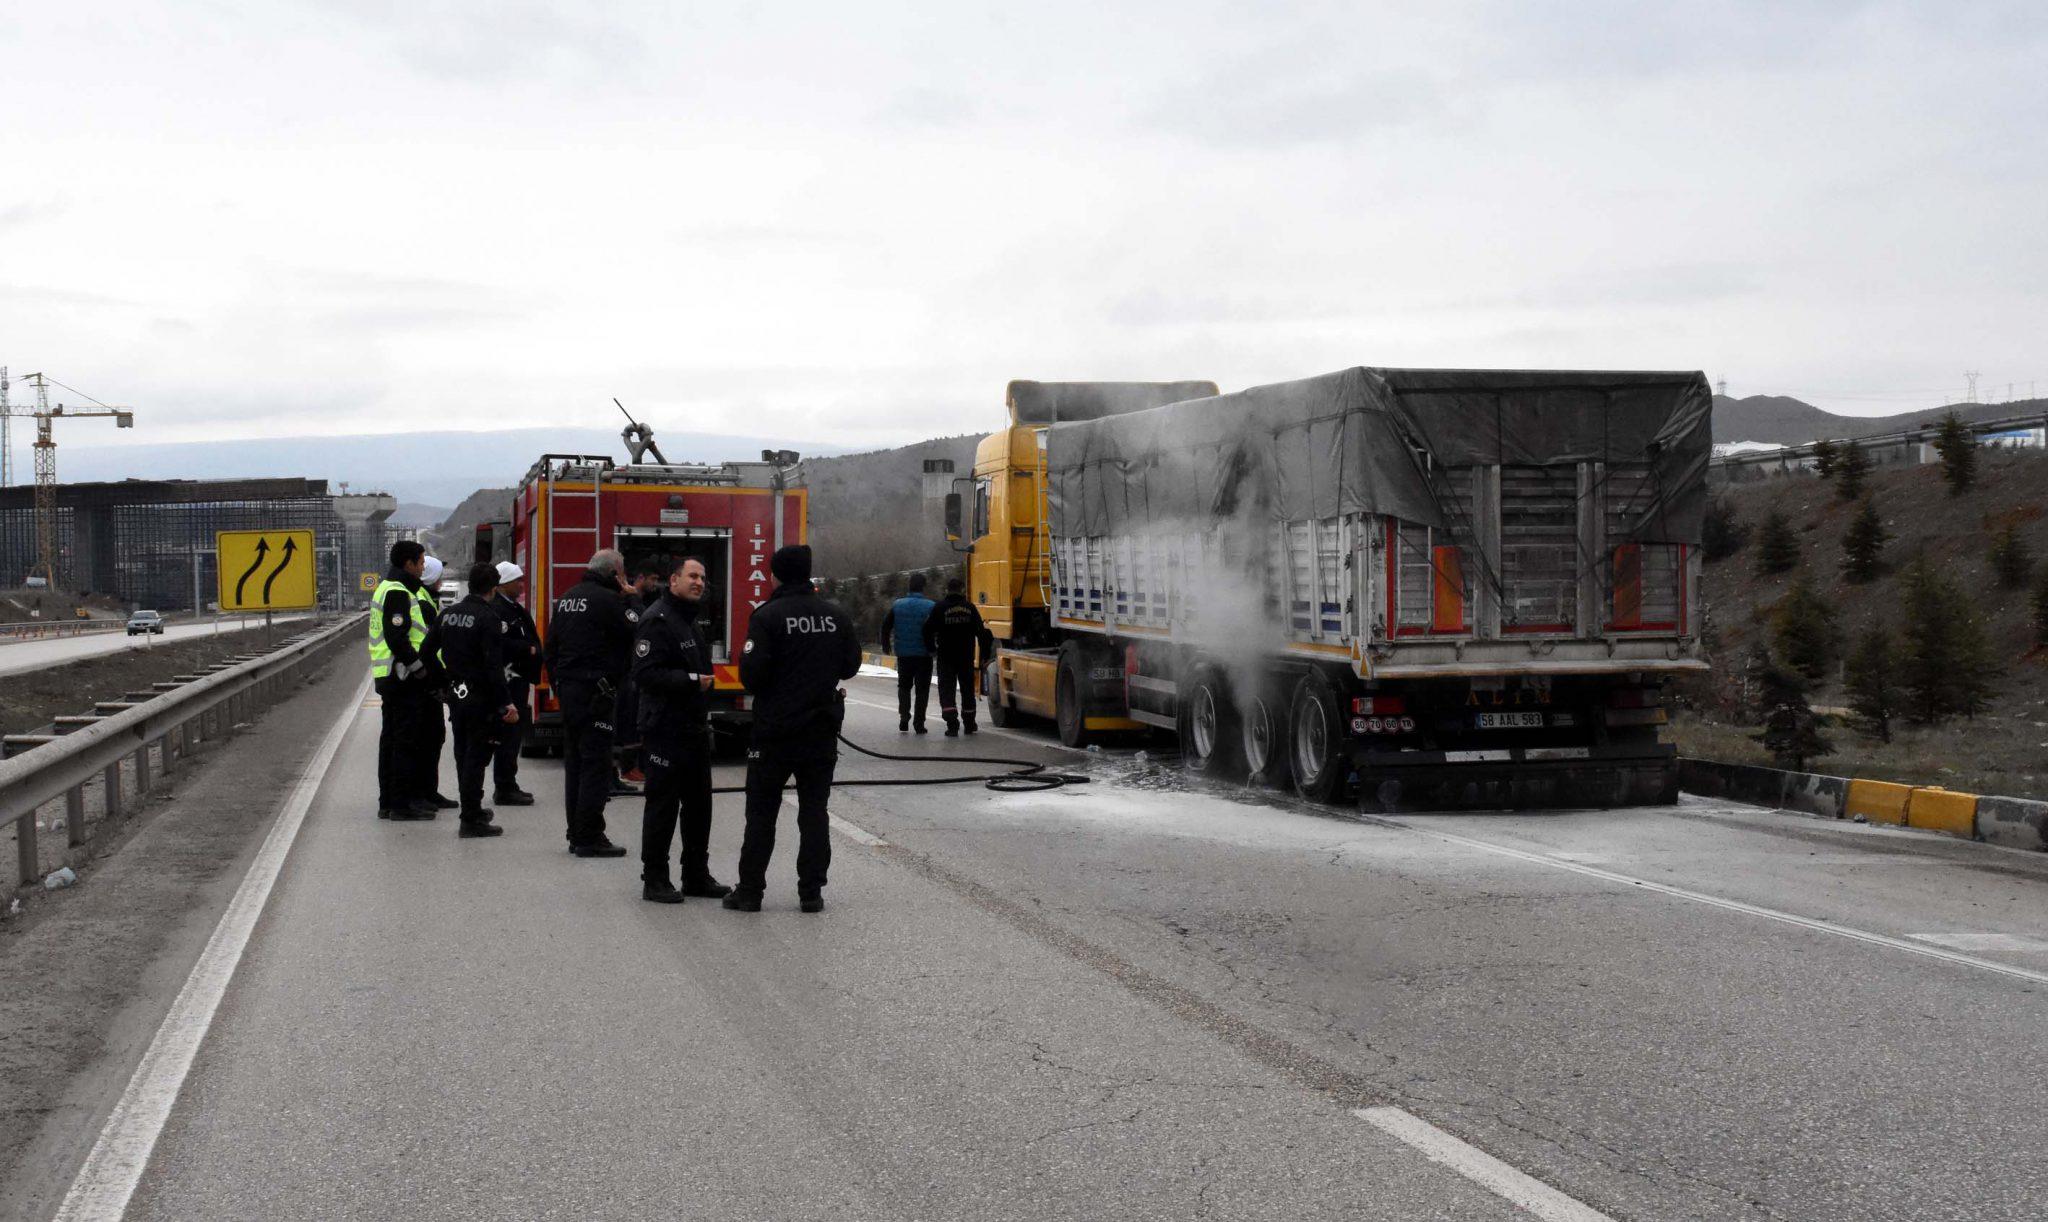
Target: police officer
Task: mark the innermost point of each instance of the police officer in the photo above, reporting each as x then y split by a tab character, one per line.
589	643
954	634
672	668
428	756
903	632
649	577
799	647
405	685
522	671
473	650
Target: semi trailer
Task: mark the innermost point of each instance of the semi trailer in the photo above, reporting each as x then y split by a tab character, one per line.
1408	586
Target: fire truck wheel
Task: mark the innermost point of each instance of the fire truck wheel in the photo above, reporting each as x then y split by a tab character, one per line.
1069	710
999	711
1208	725
1318	756
1262	725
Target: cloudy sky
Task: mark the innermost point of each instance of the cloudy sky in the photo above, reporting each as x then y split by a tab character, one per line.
851	223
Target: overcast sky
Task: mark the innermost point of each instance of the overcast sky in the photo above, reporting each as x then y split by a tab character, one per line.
851	223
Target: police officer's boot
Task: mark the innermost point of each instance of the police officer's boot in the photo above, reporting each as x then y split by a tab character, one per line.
903	725
952	726
967	723
706	887
810	901
479	826
741	901
659	891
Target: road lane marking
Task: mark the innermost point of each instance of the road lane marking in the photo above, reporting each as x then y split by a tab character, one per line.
853	832
103	1186
1699	897
1483	1169
1983	941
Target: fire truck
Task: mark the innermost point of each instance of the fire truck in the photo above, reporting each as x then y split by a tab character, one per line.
731	516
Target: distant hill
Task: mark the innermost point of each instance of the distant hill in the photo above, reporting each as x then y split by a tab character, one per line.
1783	420
409	514
422	468
868	513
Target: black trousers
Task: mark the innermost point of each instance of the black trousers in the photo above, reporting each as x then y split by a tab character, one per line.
410	726
913	686
768	770
628	720
678	771
427	777
956	676
505	762
586	760
477	731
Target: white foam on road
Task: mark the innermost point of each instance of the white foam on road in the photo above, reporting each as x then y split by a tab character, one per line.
1518	1189
869	670
101	1190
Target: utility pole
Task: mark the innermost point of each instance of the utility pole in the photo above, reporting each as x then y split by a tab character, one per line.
1970	376
1721	388
6	434
46	471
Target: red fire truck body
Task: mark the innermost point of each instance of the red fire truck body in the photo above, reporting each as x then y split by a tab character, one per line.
731	516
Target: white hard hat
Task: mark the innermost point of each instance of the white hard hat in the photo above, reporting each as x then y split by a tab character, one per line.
509	572
432	573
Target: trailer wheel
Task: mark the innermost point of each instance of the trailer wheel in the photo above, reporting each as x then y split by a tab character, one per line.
1317	722
1069	708
1208	725
999	711
1262	729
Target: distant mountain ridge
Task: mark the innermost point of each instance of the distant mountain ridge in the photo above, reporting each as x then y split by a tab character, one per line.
1783	420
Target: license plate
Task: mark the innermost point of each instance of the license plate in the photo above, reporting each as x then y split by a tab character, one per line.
1510	721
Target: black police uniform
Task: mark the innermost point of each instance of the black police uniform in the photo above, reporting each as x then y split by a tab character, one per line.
473	650
628	719
670	660
954	634
799	647
522	670
589	643
411	714
428	761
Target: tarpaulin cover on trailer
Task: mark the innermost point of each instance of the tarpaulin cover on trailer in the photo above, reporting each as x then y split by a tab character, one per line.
1351	442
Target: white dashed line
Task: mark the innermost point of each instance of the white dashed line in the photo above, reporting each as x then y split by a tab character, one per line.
101	1190
1483	1169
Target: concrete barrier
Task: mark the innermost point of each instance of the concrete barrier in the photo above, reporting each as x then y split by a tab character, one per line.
1808	791
1878	801
1943	810
2016	823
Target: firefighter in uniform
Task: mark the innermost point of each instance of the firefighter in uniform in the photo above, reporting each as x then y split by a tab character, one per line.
589	643
903	633
954	633
401	675
672	669
522	671
799	647
473	650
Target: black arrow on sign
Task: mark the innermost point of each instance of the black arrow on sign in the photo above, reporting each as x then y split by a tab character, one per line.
290	545
262	550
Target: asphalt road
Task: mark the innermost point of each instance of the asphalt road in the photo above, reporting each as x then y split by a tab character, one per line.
1134	998
19	657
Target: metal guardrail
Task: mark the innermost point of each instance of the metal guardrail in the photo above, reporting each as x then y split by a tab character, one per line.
174	722
38	631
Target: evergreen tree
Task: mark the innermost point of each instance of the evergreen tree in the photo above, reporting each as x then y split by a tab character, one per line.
1791	732
1863	544
1958	449
1803	630
2011	561
1777	548
1872	684
1853	466
1824	454
1946	665
1721	536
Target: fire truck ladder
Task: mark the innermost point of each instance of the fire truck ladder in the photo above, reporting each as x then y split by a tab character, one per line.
557	468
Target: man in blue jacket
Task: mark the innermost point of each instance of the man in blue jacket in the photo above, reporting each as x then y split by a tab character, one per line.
903	632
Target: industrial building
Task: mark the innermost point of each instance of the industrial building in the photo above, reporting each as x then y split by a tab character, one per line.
149	542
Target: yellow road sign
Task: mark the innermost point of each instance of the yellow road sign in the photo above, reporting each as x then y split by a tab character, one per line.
266	570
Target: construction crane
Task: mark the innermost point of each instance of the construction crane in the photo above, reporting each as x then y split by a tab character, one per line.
46	466
6	434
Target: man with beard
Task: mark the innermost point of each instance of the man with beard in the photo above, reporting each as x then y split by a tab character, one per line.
672	668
